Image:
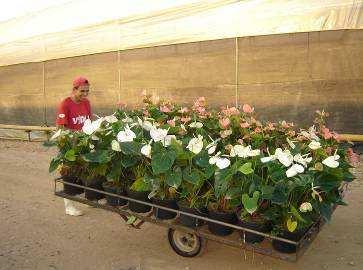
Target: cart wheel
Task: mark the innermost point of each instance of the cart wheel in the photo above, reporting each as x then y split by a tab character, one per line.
185	244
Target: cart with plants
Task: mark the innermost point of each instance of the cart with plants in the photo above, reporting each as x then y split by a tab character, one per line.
218	175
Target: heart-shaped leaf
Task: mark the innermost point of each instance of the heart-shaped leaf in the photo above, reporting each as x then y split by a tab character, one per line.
174	178
251	204
291	225
130	220
296	214
161	162
70	155
246	168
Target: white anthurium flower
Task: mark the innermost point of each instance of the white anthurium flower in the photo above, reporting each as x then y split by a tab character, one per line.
220	162
95	138
87	127
305	134
212	146
303	160
234	150
331	161
196	125
139	121
284	157
244	151
168	139
91	146
56	135
312	133
294	170
268	159
126	135
146	150
306	207
111	119
147	125
196	144
212	149
291	143
115	145
316	193
314	145
90	127
158	134
133	125
214	158
254	152
223	163
127	120
97	123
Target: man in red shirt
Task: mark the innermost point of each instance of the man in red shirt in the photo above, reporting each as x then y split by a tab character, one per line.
75	109
72	113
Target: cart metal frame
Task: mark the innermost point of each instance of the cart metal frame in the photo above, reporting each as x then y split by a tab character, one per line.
200	233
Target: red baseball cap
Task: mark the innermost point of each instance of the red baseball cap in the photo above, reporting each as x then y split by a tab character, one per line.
80	81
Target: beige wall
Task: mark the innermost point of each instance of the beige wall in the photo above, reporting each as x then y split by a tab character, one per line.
284	76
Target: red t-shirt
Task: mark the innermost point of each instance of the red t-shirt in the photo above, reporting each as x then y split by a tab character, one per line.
72	115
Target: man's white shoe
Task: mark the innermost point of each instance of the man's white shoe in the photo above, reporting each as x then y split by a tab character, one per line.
71	209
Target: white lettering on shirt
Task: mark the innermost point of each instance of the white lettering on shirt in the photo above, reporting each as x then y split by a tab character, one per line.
80	119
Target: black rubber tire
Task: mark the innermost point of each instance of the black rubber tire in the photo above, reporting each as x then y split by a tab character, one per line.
200	244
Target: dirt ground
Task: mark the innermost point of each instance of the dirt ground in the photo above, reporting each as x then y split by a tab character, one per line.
36	234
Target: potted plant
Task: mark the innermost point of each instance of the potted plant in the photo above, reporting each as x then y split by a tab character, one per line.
223	204
165	178
251	216
67	161
95	166
195	188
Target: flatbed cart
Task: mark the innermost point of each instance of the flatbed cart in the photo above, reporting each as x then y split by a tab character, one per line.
190	242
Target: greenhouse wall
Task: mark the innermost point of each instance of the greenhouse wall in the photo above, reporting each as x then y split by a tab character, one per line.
285	76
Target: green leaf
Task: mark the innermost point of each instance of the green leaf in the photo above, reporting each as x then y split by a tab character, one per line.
280	194
162	161
99	156
131	148
246	168
296	214
348	176
174	178
202	159
208	171
251	204
141	185
291	225
326	211
54	164
191	176
267	192
221	182
130	220
129	161
70	155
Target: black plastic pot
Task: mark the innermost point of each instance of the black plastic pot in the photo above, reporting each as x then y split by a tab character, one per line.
71	190
287	247
191	221
112	200
95	183
227	217
138	207
252	237
164	214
